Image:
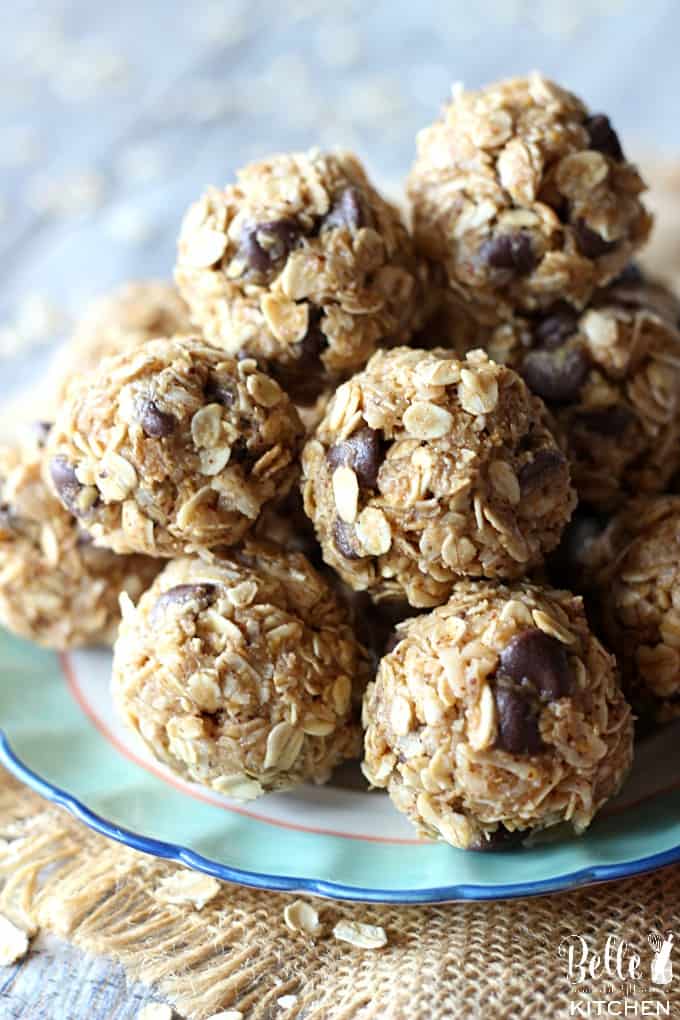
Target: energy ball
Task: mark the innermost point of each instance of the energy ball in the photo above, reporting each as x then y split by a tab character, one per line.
610	376
633	575
134	313
496	714
237	672
174	447
301	265
56	587
525	198
426	469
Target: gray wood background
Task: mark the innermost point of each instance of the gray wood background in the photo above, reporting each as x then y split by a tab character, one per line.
113	117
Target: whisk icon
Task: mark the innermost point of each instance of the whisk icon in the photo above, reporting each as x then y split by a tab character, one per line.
662	967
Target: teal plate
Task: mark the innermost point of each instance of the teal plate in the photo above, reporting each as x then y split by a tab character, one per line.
60	736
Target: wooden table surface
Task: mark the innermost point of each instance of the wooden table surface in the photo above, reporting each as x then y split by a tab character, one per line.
113	117
57	982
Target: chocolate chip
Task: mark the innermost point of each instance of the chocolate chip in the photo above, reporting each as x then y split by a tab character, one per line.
513	252
537	472
220	391
41	430
346	211
313	343
392	641
66	484
156	423
540	660
518	730
263	244
606	421
83	538
243	455
631	276
590	243
304	377
363	452
8	518
556	328
556	375
344	540
602	136
202	594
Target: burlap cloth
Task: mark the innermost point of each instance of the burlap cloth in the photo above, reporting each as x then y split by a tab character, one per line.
450	961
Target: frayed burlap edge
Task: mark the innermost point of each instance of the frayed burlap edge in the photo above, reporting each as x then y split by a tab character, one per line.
456	960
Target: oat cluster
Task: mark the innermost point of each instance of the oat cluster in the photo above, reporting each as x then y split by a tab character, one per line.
56	587
336	465
610	376
426	469
237	671
126	318
173	447
525	198
630	570
497	713
302	265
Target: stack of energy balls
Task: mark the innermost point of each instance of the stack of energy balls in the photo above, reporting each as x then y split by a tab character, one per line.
339	463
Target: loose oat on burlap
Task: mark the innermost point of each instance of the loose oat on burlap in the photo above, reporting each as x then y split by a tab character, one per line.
462	960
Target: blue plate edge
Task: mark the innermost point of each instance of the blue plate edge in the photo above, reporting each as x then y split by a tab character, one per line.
319	887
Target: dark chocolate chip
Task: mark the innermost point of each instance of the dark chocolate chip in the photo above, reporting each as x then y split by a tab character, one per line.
66	484
606	421
156	423
590	243
346	211
602	136
263	244
631	276
344	540
8	518
243	455
363	452
220	391
518	730
304	377
556	375
513	252
555	329
537	472
393	639
41	430
539	659
202	594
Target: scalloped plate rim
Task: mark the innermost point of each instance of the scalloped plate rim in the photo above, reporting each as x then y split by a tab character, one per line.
593	874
